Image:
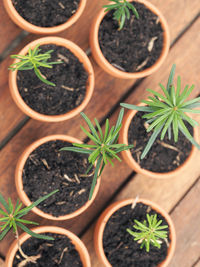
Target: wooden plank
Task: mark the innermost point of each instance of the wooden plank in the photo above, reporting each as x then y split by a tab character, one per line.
186	217
8	30
33	130
79	33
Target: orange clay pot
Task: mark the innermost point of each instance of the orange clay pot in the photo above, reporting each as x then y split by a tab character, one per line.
80	247
103	62
127	156
19	183
27	26
101	223
80	54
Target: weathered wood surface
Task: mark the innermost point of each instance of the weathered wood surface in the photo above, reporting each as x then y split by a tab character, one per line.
184	53
174	12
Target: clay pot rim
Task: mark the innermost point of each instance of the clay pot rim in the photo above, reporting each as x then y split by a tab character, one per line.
104	63
80	54
79	245
19	182
102	221
24	24
134	165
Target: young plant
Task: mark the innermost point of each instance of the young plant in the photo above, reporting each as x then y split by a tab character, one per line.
12	218
167	112
104	149
149	232
122	11
32	61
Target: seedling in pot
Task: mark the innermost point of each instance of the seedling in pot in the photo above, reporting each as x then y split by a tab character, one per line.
32	61
167	113
149	232
122	11
12	218
105	148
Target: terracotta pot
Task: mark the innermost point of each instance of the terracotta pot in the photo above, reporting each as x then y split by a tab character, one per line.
103	62
27	26
80	54
19	182
101	223
80	247
127	156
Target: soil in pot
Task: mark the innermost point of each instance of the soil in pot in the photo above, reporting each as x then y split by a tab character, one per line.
119	246
47	169
137	46
165	155
70	78
46	13
59	252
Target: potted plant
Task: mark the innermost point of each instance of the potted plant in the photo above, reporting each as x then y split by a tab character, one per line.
41	245
46	90
129	39
151	125
42	167
105	147
49	18
134	233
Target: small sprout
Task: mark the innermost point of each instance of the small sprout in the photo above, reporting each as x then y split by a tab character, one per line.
105	147
33	60
122	11
12	218
150	232
167	113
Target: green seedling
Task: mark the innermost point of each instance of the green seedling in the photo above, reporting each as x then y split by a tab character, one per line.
32	61
167	112
105	147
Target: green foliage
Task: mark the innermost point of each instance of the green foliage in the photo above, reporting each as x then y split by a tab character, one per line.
34	60
167	112
105	147
12	217
150	232
122	11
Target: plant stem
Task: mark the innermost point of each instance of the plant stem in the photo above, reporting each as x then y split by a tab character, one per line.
19	246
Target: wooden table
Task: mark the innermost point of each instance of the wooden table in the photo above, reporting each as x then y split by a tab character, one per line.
179	195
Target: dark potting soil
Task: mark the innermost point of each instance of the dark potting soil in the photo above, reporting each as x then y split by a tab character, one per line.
165	155
48	169
137	46
59	252
119	246
70	78
46	13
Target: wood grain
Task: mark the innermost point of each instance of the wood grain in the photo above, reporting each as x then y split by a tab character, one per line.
178	14
33	130
186	217
8	30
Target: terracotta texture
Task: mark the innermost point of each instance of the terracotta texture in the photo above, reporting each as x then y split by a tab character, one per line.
101	223
80	247
19	183
80	54
106	66
27	26
127	156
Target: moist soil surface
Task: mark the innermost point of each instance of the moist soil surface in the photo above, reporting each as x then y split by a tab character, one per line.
119	246
46	13
48	169
69	77
165	155
59	252
137	46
